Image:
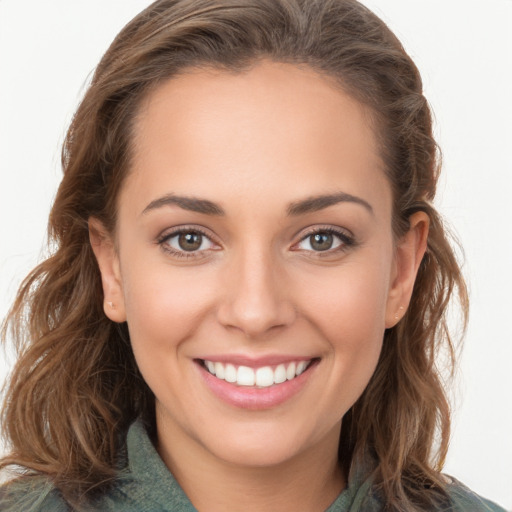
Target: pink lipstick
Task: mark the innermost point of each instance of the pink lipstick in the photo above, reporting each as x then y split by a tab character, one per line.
256	384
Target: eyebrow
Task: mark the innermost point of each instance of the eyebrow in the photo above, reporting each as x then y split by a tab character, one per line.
316	203
206	207
192	204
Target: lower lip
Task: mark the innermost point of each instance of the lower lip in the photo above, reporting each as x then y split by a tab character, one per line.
252	397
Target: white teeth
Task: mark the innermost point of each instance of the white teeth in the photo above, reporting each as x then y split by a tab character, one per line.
290	371
245	376
219	370
261	377
264	377
300	367
211	367
280	374
230	373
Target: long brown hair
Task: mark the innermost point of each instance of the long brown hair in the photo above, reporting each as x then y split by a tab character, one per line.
76	387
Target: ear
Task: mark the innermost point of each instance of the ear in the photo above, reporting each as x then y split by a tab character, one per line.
408	255
108	261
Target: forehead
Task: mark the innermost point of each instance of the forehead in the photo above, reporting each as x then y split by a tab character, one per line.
275	129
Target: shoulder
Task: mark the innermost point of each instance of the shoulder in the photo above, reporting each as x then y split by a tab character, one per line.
464	499
31	494
38	494
142	482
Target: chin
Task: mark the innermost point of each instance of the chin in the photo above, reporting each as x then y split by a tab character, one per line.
259	445
258	455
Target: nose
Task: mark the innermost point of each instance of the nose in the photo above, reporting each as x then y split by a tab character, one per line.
255	298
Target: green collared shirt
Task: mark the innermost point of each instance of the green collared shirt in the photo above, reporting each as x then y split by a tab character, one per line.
148	486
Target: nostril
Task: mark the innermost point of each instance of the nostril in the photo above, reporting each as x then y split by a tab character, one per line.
253	318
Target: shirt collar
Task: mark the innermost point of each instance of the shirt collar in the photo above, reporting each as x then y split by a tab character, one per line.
156	484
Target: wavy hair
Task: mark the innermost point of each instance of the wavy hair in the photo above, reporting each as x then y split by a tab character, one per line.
76	388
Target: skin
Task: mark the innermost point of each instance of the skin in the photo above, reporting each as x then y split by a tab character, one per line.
255	143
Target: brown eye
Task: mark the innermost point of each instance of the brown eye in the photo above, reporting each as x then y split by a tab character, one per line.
325	240
321	241
188	242
191	241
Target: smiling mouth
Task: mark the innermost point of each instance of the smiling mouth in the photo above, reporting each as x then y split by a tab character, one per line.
261	377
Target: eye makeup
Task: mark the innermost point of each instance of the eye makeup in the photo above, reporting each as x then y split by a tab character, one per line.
187	242
193	242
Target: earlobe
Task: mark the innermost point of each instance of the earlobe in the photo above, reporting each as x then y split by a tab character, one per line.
108	263
409	253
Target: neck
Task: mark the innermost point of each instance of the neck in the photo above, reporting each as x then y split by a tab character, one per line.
309	481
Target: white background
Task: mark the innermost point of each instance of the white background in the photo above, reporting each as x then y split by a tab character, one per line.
464	51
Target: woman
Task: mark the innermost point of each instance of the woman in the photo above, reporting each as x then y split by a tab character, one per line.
249	285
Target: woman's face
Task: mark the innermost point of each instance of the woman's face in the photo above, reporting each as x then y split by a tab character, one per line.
254	241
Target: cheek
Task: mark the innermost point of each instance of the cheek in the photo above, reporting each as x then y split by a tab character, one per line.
353	325
164	303
348	303
348	308
353	321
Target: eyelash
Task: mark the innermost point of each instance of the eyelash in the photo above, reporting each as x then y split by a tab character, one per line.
163	240
346	240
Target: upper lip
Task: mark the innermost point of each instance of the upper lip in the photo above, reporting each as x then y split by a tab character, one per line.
255	362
